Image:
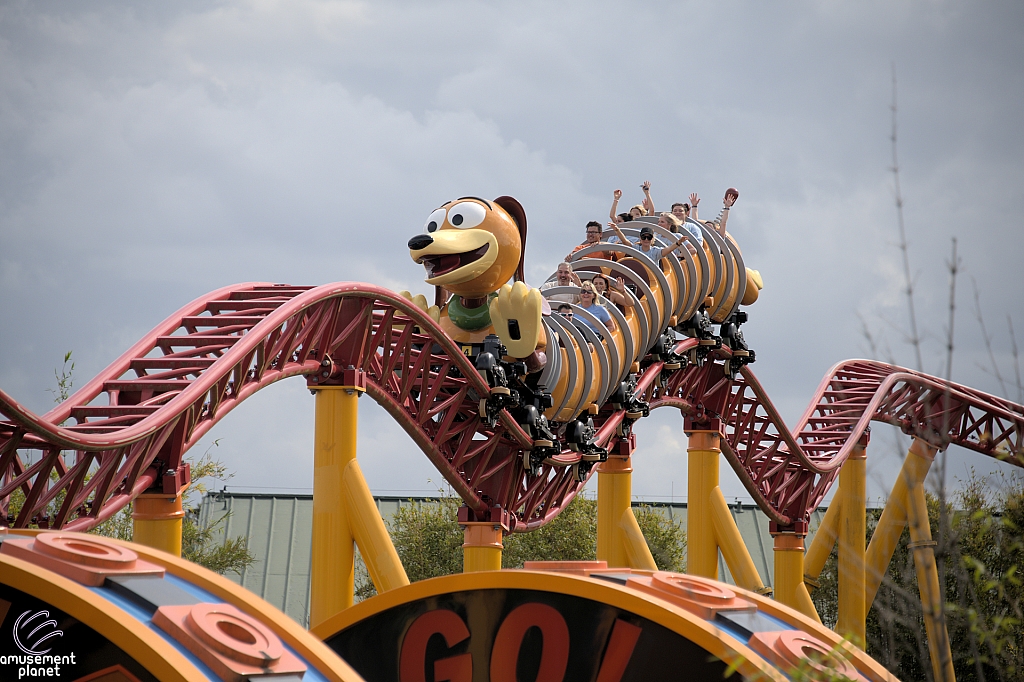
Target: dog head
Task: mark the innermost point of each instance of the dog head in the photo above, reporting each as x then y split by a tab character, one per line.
472	246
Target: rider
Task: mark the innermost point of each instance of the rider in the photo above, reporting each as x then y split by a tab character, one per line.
588	301
593	237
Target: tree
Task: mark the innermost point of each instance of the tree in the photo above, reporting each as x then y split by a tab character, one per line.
666	539
197	539
978	535
429	541
572	536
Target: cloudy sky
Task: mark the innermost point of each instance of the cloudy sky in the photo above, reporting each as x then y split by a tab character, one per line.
149	154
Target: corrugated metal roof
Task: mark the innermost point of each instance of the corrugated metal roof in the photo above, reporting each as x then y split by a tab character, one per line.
279	530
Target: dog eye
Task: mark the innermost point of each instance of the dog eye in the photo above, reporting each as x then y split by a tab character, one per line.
466	215
435	220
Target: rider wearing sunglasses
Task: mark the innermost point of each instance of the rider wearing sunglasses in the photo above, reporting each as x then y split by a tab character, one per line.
646	243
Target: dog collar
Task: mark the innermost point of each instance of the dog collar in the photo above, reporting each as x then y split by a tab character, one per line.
470	319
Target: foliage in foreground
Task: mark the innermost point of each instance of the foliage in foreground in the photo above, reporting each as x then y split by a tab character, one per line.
980	552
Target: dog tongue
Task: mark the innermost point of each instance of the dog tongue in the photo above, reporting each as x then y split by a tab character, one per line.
446	264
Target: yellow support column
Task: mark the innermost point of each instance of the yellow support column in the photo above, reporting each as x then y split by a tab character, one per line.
371	536
638	554
332	569
481	550
156	522
852	536
928	584
614	494
824	540
789	573
728	538
702	477
894	518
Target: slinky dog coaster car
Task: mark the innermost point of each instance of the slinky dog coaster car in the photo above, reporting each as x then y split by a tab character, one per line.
553	373
585	622
90	609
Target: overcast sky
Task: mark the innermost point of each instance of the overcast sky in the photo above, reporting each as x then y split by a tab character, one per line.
152	153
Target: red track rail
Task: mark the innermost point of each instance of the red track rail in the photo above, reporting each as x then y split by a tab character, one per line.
789	472
170	388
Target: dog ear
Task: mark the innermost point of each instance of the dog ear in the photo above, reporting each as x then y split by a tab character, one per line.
518	213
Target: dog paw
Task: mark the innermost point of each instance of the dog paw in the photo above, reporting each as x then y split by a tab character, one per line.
515	314
420	301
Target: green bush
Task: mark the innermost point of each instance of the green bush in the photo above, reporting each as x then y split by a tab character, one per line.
428	538
572	536
429	541
979	552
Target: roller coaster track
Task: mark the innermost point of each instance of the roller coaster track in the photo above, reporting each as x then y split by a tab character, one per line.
172	386
788	472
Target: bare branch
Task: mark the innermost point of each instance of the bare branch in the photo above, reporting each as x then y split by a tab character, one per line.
986	336
1016	360
953	265
868	336
914	337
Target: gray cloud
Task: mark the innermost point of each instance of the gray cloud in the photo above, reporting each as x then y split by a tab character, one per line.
151	154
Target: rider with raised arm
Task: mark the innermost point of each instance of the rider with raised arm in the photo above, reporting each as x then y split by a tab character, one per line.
656	253
588	301
648	201
731	195
612	215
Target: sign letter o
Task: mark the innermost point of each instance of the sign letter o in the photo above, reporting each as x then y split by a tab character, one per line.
555	652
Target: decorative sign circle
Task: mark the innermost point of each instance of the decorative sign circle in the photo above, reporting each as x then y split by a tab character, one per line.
234	634
800	649
694	589
85	550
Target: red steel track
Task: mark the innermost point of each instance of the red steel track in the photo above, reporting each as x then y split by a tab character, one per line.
172	386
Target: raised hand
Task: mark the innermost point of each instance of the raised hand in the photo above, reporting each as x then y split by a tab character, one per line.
617	194
694	200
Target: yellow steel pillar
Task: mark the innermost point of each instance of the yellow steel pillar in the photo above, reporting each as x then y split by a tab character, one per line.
481	550
824	540
332	569
928	584
789	569
614	494
729	540
702	478
852	536
371	536
894	518
638	554
156	521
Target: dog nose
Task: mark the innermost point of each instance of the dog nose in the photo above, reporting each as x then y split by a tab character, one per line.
420	241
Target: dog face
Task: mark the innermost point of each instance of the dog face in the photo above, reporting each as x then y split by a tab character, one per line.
471	247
